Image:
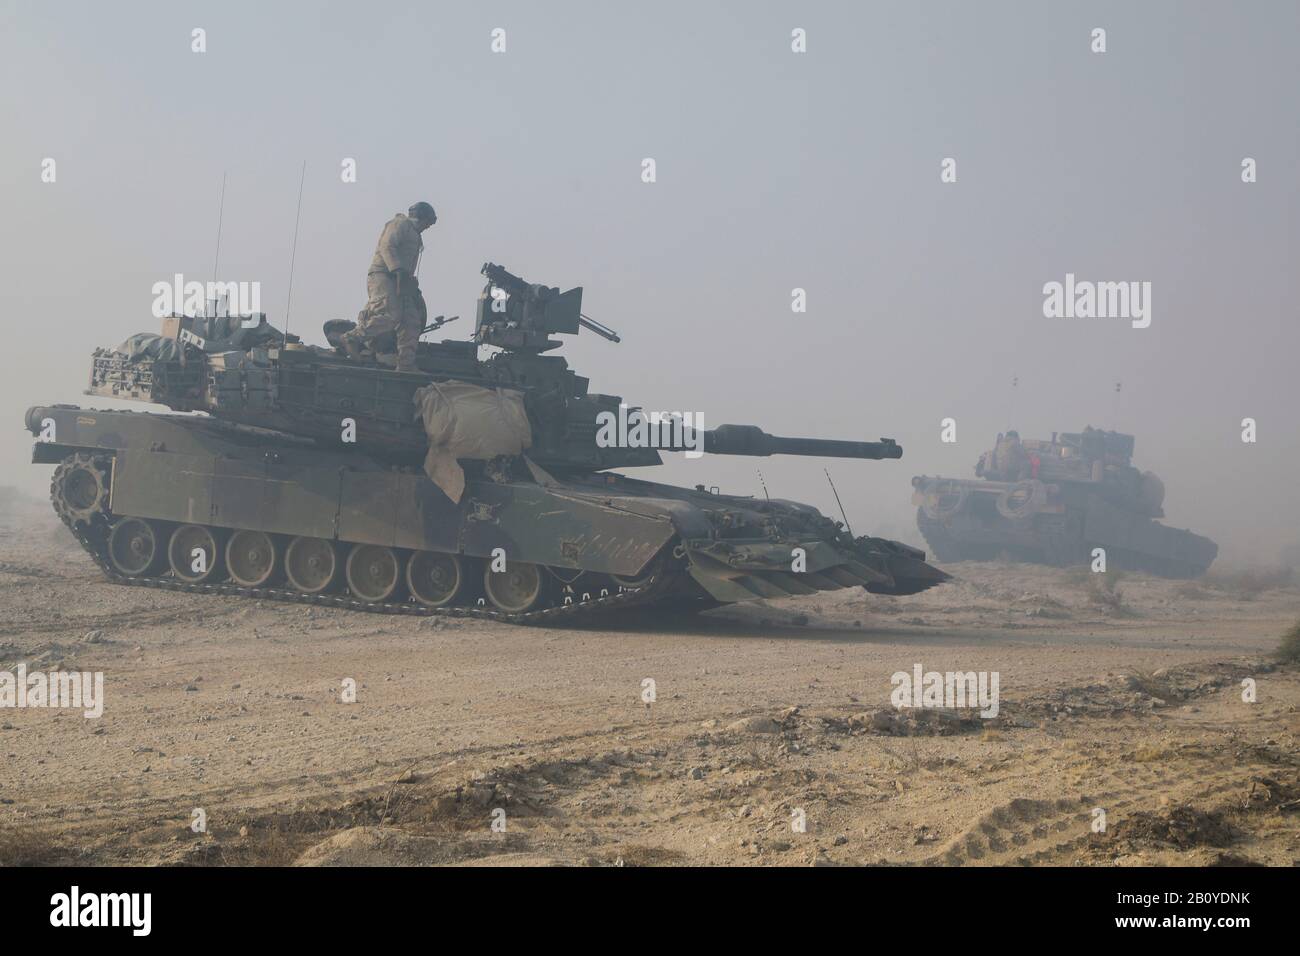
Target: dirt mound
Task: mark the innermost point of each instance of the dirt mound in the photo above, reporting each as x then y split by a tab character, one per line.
371	846
1182	827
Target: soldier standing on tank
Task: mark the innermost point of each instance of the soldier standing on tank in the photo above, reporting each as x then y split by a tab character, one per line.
394	301
1010	460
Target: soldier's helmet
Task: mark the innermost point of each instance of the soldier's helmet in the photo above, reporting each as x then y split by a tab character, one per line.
422	210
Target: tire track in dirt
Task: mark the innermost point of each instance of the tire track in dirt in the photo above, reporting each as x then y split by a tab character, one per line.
1029	831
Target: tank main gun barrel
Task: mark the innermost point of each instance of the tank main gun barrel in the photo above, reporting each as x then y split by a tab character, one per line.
752	440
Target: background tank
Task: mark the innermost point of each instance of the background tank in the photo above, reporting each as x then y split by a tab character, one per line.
308	479
1053	502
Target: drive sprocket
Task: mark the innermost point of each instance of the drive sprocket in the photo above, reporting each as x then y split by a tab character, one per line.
79	488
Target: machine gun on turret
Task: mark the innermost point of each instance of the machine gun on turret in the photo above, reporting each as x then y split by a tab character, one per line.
522	316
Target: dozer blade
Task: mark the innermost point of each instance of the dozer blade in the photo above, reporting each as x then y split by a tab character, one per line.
910	576
820	581
844	578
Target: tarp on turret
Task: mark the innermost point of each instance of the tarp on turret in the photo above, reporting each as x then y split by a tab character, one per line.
218	333
466	421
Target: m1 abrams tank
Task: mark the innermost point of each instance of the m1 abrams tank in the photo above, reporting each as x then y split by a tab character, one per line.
477	486
1053	502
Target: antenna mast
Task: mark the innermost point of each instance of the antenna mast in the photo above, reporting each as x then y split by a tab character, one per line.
293	256
221	215
838	502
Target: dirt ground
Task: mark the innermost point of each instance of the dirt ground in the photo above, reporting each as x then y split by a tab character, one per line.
1126	700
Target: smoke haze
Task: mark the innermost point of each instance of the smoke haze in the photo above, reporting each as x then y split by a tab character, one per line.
775	171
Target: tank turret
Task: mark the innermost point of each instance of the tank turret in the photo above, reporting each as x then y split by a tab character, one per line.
309	392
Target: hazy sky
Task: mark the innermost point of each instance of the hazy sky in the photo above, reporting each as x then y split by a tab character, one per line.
775	170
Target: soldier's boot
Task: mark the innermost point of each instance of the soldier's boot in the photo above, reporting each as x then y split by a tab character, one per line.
353	344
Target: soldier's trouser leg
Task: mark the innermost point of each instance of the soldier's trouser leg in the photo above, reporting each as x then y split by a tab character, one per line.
408	335
409	326
381	307
354	340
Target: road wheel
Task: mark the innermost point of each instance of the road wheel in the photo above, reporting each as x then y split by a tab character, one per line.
436	579
374	572
311	564
194	554
516	590
135	548
252	558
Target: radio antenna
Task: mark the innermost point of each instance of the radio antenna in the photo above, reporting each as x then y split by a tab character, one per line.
838	502
221	214
216	258
293	256
763	483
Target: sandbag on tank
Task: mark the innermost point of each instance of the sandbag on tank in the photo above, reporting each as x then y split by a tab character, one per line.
469	421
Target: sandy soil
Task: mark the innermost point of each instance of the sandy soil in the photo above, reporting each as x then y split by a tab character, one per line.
763	715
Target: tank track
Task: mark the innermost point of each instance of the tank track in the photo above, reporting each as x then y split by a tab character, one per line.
93	537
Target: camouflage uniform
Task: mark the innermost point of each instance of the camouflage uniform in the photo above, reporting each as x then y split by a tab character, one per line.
388	308
1010	460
